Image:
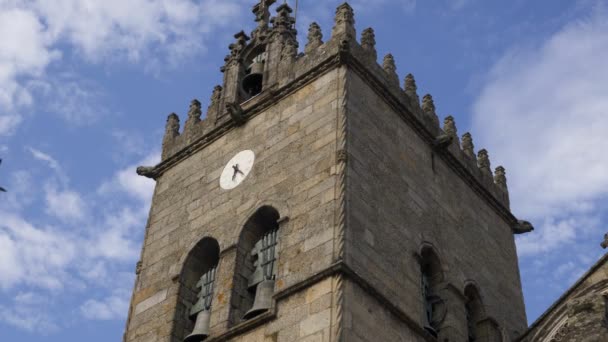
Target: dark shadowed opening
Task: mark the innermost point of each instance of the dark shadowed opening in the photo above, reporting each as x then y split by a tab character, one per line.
474	313
263	221
204	256
432	278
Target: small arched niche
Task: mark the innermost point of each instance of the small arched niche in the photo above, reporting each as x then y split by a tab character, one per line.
431	279
202	260
258	237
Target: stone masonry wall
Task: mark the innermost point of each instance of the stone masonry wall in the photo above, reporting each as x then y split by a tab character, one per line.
401	196
295	146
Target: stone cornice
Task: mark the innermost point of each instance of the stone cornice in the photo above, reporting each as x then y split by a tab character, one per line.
338	268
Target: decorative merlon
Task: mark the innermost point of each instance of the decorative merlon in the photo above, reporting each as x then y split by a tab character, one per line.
344	23
172	126
483	162
449	127
500	178
411	89
368	43
315	38
428	107
467	146
388	64
194	116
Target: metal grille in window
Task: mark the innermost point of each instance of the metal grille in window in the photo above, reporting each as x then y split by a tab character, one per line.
205	294
268	254
428	306
470	322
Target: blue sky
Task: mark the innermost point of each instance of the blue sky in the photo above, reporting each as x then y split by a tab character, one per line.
85	88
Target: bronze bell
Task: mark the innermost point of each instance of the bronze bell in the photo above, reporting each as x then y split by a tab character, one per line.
252	83
263	299
201	327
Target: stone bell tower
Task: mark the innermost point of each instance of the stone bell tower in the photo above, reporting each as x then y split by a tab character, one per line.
320	201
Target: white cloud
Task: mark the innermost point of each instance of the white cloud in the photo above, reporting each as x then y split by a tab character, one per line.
127	180
8	122
40	260
53	164
152	33
542	114
115	306
31	255
65	205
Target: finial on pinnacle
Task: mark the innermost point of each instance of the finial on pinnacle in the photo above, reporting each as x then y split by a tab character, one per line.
467	145
500	178
368	42
388	64
315	38
604	243
344	22
483	161
262	14
284	21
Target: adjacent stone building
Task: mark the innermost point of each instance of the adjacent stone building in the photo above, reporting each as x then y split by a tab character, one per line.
319	201
580	314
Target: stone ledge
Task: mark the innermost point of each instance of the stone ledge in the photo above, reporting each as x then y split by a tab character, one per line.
338	268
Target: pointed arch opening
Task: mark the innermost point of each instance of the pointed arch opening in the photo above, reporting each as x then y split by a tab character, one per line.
431	279
256	264
195	294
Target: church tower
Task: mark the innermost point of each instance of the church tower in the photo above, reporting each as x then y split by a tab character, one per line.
320	201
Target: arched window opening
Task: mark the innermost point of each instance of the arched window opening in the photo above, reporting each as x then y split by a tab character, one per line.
197	284
256	267
474	312
434	305
254	73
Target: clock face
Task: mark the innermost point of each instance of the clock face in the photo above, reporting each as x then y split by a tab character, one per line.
237	169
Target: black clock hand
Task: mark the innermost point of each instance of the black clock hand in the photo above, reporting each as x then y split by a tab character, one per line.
236	170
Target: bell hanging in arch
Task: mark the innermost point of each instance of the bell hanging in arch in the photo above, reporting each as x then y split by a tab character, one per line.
201	327
252	83
263	299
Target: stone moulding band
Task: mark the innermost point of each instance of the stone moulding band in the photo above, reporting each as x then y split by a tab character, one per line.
342	57
338	268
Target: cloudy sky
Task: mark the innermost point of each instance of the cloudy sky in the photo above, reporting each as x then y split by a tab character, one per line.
86	85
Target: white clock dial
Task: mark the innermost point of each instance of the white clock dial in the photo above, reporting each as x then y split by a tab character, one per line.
237	169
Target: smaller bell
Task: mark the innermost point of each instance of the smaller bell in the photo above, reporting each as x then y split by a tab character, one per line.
263	299
201	327
252	83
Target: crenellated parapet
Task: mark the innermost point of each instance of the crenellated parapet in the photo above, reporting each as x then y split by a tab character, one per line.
266	65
